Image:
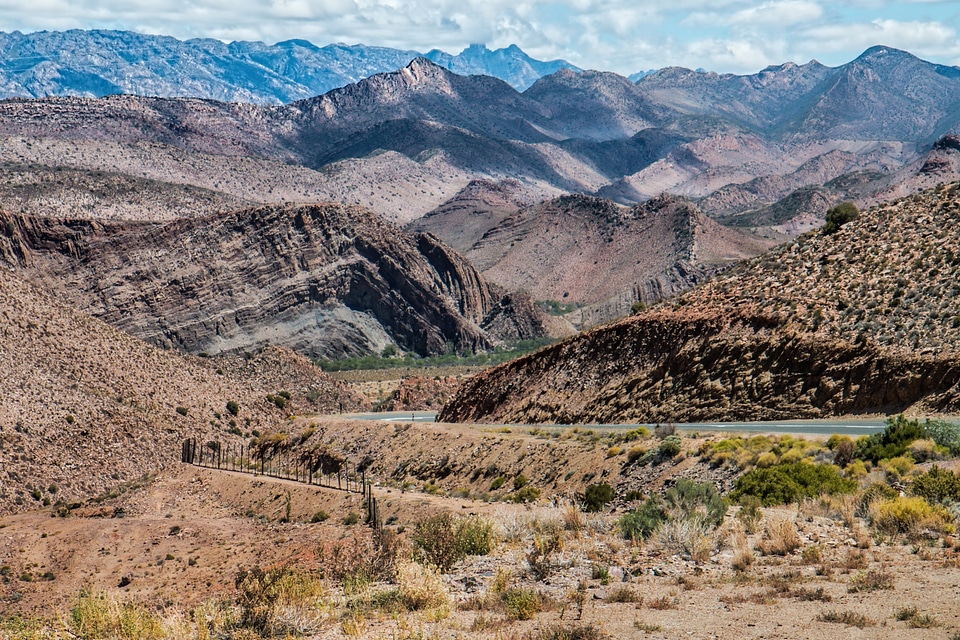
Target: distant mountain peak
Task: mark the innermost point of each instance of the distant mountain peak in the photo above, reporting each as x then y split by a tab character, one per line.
94	63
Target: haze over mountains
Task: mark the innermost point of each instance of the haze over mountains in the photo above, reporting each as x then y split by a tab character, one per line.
99	62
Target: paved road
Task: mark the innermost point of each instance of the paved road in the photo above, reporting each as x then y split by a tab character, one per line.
853	427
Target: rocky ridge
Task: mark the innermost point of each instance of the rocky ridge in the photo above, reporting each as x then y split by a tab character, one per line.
583	250
858	322
326	280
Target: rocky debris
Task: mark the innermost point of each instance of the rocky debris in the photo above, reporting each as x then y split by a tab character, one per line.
824	326
326	280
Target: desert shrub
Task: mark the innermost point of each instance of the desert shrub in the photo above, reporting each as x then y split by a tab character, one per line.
897	467
867	581
96	616
262	596
669	447
844	453
688	537
351	518
519	482
787	483
233	407
574	632
635	453
849	618
945	434
420	588
838	216
497	483
925	450
596	497
542	555
892	441
444	540
779	537
937	486
768	459
908	515
320	516
614	451
362	558
688	500
750	513
521	604
874	492
183	411
639	523
526	494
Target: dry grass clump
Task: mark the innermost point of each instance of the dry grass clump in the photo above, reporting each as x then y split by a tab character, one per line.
686	537
624	593
94	615
873	580
779	538
420	588
915	619
663	603
742	553
575	632
849	618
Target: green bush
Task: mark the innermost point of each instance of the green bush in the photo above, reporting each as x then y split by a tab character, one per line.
233	407
597	496
520	604
526	494
444	540
688	499
945	434
183	411
787	483
840	215
937	486
892	442
497	483
520	482
669	447
906	515
642	521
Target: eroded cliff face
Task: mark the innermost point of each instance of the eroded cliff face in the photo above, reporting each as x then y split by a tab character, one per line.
689	367
326	280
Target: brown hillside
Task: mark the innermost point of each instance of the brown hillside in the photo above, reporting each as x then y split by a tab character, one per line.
85	408
861	321
596	253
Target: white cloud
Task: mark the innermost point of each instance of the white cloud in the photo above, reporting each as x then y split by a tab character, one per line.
778	14
922	38
620	35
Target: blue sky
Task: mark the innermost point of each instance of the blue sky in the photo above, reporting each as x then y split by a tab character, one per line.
739	36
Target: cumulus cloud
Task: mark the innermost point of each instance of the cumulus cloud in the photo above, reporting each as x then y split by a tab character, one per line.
620	35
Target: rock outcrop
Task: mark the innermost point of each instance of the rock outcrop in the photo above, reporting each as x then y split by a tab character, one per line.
325	280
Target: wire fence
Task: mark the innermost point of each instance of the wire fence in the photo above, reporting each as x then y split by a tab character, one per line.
318	468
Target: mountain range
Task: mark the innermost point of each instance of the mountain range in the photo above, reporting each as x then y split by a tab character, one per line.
97	63
761	155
